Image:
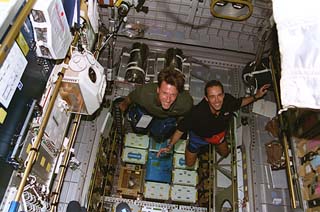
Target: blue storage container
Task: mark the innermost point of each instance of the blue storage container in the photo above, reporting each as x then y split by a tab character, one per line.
159	169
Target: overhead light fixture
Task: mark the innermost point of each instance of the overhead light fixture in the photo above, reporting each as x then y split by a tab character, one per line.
237	10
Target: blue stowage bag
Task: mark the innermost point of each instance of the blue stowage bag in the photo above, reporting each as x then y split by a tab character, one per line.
159	169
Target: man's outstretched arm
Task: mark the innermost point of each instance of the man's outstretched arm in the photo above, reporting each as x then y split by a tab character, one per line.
174	139
260	93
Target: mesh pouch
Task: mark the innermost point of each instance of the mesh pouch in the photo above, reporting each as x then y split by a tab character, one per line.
273	127
275	155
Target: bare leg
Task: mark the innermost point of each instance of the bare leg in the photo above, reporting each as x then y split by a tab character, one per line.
223	149
190	158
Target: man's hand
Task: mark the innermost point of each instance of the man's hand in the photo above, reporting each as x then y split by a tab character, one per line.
262	91
124	104
174	139
163	150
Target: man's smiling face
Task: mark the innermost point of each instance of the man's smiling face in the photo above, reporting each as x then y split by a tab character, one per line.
215	98
167	94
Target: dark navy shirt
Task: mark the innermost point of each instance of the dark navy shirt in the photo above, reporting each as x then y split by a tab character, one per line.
203	123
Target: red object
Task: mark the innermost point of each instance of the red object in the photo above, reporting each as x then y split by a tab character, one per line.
106	3
216	139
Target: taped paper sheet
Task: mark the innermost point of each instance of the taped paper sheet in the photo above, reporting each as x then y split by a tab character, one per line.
10	74
144	121
265	108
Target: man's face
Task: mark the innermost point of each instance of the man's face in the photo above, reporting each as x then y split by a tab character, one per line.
215	98
167	94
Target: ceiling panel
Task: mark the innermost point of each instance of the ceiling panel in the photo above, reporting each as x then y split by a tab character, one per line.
190	22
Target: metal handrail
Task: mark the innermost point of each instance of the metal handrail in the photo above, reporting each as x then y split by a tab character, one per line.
284	138
63	166
14	206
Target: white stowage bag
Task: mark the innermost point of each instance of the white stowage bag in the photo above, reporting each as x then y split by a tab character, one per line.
298	28
51	30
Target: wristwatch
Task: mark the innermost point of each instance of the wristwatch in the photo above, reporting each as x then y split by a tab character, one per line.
170	146
254	97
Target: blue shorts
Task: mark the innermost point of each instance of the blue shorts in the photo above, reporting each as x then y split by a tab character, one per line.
195	143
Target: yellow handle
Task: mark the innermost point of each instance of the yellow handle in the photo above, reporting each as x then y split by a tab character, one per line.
117	4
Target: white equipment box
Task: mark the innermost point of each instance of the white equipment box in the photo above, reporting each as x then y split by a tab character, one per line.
136	141
180	146
134	155
179	162
181	193
84	83
8	12
154	190
51	30
184	177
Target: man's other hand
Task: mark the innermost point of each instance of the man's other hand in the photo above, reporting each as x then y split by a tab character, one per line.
163	150
124	104
262	91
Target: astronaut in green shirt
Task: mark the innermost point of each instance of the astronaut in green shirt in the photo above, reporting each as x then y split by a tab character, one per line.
162	104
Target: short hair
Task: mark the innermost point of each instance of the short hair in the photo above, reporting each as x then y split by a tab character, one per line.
172	77
212	83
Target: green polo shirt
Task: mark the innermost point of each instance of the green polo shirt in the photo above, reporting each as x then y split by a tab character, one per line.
146	96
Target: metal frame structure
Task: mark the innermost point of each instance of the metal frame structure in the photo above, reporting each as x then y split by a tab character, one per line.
220	49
